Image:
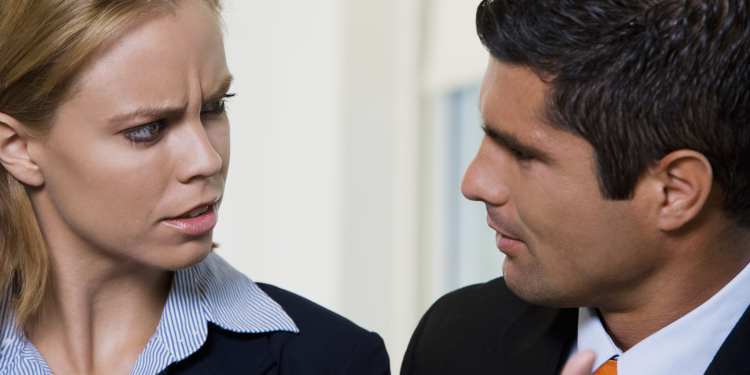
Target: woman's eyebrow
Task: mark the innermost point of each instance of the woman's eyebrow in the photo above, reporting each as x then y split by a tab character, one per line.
150	112
170	110
221	91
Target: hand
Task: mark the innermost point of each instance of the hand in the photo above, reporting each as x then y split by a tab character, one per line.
580	364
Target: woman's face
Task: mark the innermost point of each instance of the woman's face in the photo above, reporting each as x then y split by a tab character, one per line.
142	141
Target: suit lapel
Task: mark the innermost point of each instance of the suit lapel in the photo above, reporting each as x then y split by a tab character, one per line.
226	352
732	357
540	340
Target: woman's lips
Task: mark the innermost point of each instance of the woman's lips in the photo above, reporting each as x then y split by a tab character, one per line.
195	226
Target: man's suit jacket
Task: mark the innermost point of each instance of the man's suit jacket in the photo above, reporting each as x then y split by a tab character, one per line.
327	344
486	329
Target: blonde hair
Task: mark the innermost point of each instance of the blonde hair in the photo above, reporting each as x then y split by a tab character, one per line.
45	44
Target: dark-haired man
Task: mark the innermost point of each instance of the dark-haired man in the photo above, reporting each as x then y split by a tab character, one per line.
615	173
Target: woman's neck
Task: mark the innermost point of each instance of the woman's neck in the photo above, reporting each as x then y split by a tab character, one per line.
97	314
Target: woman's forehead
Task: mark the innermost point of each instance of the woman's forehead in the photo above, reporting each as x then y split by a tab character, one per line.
162	60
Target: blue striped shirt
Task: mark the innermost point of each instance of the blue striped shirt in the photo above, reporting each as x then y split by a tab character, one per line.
210	291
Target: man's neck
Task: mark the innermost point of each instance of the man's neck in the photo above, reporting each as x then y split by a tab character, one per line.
672	293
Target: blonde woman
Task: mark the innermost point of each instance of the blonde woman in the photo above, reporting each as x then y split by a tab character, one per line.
114	146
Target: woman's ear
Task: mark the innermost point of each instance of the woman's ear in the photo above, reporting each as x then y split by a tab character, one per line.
14	152
686	178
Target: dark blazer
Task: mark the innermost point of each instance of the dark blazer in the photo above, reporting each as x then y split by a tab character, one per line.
326	344
486	329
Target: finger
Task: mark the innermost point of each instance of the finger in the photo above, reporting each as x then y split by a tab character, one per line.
580	364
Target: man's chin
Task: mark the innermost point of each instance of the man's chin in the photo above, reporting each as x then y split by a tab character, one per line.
536	291
521	281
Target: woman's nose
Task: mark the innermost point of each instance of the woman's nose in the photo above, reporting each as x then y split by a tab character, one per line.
199	157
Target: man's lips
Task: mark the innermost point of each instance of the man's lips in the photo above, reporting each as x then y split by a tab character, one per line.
501	230
506	240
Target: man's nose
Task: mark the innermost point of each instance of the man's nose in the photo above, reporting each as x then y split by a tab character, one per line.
483	181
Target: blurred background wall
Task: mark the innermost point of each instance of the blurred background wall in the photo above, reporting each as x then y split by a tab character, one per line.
352	125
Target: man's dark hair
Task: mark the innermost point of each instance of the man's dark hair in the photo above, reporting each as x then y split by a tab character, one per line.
639	79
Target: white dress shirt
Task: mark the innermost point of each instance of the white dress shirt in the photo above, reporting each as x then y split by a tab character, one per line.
686	346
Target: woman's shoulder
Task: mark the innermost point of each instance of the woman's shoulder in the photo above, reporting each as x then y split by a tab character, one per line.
325	336
232	296
310	315
297	336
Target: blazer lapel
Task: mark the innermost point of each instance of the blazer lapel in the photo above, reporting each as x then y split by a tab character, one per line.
732	357
540	340
227	352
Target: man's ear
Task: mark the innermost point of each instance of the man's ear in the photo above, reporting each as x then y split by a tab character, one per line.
685	178
14	152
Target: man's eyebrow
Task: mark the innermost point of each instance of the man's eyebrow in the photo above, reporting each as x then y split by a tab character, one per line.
512	143
167	110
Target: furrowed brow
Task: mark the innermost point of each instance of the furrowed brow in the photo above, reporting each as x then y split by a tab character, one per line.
221	91
155	112
169	111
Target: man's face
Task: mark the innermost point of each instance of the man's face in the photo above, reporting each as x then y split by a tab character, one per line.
565	245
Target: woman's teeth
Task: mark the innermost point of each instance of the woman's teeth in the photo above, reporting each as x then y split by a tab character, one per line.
197	212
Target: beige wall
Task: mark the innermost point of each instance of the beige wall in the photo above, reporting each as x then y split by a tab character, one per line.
453	58
280	220
454	54
326	189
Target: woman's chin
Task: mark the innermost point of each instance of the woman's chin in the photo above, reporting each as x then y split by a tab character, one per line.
185	255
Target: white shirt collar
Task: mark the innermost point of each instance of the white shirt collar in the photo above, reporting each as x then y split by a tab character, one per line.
686	346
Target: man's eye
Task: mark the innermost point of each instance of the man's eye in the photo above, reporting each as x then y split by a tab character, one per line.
520	155
146	133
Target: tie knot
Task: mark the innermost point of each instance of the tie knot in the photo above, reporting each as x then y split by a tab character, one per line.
608	368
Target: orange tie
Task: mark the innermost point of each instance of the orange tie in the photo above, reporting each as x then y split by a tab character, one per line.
609	368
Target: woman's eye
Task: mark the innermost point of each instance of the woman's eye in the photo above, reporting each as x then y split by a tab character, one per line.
216	108
146	133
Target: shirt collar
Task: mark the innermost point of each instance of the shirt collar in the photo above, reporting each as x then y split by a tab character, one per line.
17	354
208	292
686	346
593	336
235	303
